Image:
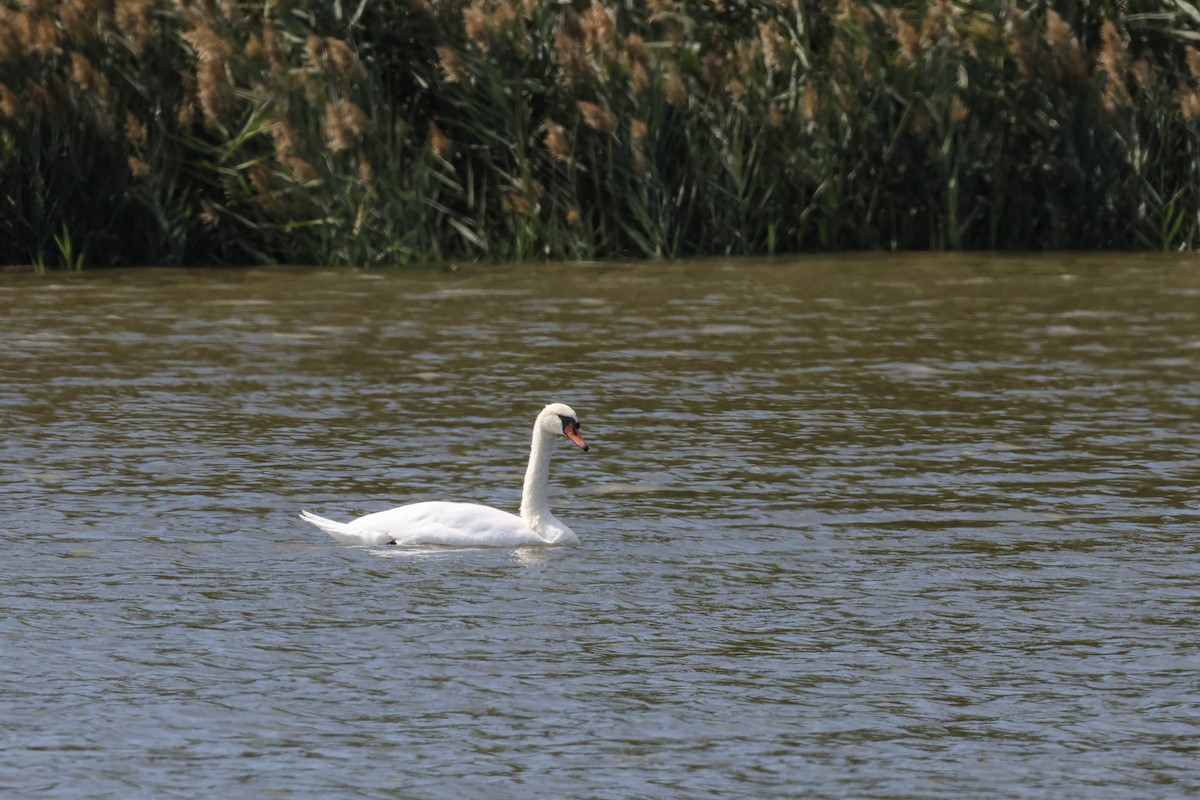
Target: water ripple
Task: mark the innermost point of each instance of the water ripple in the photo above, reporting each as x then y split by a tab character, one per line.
856	527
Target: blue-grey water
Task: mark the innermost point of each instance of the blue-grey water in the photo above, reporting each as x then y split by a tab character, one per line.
879	527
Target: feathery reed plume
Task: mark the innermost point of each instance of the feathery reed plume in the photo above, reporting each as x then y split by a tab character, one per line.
314	52
850	12
556	141
634	59
513	203
504	14
635	49
1189	102
212	52
1114	59
639	79
1065	46
774	47
809	102
83	72
20	29
979	32
135	129
76	23
133	19
9	46
452	68
637	130
302	171
748	52
908	40
1114	55
599	29
597	118
315	90
639	163
1193	61
574	66
936	18
137	167
1059	34
253	51
366	173
572	216
475	23
337	133
1143	74
439	142
774	115
284	137
354	118
273	49
10	104
260	179
676	90
46	36
346	67
344	123
736	89
24	28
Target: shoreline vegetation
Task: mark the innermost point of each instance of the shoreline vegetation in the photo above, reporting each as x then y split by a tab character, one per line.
392	132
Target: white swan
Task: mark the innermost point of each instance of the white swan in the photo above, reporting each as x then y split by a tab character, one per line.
471	524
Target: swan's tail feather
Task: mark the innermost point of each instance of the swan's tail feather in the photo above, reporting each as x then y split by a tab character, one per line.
338	530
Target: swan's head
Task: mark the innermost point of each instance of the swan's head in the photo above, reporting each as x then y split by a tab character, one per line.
560	418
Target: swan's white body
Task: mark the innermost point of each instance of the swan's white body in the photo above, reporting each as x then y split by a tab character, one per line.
469	524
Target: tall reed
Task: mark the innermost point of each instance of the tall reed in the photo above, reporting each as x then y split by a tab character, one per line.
408	131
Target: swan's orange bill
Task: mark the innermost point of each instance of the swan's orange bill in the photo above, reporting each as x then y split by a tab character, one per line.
573	434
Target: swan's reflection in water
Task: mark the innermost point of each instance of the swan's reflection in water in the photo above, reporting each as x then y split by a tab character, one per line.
530	556
537	556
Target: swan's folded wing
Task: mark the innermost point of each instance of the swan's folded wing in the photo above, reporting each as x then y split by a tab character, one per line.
432	523
431	532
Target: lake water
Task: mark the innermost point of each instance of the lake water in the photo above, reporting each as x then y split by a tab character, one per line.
856	527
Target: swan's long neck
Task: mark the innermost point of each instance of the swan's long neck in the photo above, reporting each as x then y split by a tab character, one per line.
535	509
533	496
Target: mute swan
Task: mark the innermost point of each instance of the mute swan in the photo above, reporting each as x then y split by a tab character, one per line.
471	524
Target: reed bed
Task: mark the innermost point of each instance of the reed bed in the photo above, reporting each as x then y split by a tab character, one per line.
409	131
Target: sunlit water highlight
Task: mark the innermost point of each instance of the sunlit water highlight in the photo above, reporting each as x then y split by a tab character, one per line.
851	528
